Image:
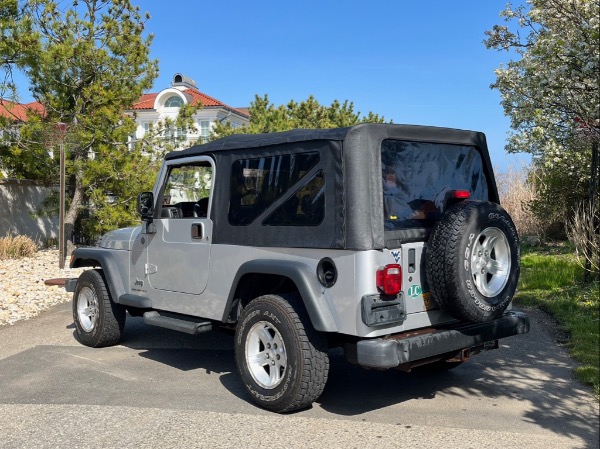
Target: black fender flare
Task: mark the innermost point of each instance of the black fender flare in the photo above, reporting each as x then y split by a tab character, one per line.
305	280
105	259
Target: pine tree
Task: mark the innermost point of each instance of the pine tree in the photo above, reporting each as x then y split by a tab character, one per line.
86	63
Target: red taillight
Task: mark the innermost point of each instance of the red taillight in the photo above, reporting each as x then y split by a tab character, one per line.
461	194
389	279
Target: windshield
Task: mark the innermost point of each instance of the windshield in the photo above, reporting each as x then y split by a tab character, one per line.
418	178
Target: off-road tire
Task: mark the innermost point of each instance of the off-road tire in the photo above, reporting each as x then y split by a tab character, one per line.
102	321
454	253
307	363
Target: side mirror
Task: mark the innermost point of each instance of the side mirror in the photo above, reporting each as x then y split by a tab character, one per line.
145	205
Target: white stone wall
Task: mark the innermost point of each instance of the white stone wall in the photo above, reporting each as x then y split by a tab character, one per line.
19	201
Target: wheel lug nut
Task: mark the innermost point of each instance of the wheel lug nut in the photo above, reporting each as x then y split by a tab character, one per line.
278	356
272	362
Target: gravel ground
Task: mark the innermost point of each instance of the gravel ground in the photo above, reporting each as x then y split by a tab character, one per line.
23	293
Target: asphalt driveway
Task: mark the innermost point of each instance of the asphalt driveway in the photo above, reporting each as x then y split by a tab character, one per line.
165	389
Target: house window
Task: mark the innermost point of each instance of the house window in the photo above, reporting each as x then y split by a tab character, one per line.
204	130
174	135
147	126
131	141
174	101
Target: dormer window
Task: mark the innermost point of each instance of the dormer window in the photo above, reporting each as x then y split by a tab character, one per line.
174	101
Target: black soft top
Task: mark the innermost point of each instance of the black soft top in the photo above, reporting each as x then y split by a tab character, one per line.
387	131
351	160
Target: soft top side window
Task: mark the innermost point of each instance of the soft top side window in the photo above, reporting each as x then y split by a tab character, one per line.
257	183
306	207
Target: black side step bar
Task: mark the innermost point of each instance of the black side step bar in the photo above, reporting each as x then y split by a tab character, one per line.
181	323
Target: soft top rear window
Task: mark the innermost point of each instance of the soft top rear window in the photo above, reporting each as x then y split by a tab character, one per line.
419	177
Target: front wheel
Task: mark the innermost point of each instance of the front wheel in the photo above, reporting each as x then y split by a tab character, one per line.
99	321
280	357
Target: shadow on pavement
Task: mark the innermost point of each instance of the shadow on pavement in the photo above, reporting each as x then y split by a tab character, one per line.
156	367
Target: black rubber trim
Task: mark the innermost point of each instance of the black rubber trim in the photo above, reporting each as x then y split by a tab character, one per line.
391	352
103	258
70	284
395	238
306	282
141	302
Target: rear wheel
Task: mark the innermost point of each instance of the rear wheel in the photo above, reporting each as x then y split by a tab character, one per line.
98	320
280	357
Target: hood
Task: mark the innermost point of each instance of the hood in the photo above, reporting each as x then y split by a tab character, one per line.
119	238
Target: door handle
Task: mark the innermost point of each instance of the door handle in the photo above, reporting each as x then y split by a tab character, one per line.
197	231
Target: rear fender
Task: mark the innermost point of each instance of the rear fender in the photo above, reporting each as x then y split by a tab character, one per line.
306	282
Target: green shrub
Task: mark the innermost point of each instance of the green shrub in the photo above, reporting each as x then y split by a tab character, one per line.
17	247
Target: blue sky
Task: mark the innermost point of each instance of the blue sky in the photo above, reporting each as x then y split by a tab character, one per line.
412	62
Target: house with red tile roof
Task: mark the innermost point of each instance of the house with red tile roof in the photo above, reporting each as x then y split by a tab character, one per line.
17	112
153	108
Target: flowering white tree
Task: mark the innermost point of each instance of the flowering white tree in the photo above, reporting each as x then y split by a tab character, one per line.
551	92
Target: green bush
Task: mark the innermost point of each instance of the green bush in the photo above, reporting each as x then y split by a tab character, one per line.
17	247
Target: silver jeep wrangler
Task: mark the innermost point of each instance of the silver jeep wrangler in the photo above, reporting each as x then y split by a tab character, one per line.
385	240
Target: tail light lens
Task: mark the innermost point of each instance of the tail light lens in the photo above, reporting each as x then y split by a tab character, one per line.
389	279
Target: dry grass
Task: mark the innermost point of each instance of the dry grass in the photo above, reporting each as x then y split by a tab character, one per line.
582	231
17	247
517	191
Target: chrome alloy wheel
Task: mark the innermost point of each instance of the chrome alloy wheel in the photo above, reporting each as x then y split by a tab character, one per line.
87	308
490	262
265	355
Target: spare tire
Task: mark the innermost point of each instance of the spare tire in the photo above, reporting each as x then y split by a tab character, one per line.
473	261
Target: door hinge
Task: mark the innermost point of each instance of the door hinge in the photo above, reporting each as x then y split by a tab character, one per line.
151	269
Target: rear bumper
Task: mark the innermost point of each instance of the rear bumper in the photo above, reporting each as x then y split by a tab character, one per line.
400	349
